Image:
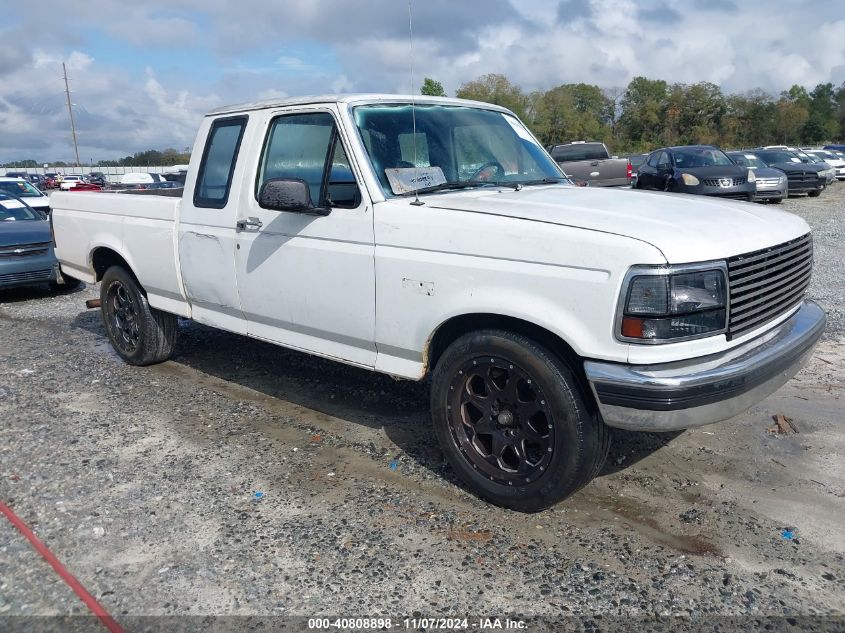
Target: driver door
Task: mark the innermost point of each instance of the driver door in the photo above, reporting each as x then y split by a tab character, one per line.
307	281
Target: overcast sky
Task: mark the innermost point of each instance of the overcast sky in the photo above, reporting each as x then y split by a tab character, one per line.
142	73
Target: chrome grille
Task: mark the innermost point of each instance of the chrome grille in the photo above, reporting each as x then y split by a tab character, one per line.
766	283
24	250
714	182
768	183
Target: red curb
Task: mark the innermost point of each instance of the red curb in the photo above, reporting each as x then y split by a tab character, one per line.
89	600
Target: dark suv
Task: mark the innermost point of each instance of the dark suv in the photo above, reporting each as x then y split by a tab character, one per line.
803	177
698	169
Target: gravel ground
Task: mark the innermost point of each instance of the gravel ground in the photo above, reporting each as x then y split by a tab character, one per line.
143	482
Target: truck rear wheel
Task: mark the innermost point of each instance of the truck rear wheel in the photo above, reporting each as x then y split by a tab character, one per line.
513	422
141	335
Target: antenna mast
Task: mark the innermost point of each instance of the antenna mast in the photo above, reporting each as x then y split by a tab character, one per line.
70	112
417	202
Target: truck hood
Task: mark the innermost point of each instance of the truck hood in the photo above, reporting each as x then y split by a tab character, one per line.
684	228
15	232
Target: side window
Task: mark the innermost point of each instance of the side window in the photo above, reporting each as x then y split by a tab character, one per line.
652	160
307	147
218	163
665	161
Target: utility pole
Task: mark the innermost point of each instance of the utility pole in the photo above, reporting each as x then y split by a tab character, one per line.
70	112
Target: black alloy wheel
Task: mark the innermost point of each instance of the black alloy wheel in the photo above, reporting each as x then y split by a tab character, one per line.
501	421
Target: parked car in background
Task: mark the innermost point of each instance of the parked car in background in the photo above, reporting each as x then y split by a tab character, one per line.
30	194
69	181
26	247
18	174
772	184
97	178
51	180
636	161
591	163
696	169
139	178
836	161
37	180
803	177
836	147
86	186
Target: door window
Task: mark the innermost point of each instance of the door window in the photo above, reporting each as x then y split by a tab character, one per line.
218	163
307	147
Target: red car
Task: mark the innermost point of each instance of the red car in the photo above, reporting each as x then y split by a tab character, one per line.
85	186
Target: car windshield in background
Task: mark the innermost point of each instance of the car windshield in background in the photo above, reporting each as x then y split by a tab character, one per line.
13	210
454	147
20	188
747	160
579	151
699	157
778	156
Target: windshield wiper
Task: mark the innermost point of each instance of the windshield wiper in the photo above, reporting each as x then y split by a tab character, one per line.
545	181
463	184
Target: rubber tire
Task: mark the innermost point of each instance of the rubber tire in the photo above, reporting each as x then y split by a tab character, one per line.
815	194
582	439
158	330
776	200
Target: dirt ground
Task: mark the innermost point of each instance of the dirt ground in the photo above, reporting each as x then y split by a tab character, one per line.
143	482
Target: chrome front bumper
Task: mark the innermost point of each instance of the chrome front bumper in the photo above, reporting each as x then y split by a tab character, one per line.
684	394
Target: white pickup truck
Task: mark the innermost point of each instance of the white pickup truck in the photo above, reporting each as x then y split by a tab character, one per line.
436	237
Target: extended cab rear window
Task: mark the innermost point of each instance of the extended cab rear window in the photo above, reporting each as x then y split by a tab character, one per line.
579	151
218	162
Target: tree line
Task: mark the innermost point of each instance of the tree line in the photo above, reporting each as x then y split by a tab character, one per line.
651	113
168	156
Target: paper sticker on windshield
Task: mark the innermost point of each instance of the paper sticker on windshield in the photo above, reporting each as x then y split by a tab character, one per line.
750	156
795	160
408	179
520	130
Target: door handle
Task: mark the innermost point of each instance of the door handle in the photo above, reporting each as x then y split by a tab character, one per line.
249	224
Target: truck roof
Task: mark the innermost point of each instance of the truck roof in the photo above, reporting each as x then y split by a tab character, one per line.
362	98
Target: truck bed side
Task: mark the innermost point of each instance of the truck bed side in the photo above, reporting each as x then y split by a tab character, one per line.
89	225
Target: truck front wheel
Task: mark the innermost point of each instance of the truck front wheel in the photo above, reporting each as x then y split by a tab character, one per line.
141	335
513	422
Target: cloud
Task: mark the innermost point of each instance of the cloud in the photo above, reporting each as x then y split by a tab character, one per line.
143	74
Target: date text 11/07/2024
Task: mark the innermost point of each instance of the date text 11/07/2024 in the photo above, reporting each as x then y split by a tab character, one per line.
414	624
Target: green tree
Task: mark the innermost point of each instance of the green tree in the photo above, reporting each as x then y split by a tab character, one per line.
573	112
643	117
790	117
822	121
432	88
496	89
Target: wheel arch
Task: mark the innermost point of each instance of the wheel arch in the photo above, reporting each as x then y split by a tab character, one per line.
456	326
104	257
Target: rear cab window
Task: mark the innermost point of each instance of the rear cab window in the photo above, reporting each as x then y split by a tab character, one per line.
220	155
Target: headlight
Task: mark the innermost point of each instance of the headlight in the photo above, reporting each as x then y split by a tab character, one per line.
662	305
751	176
690	180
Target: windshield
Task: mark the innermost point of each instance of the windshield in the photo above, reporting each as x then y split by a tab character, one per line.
12	210
699	157
454	146
778	156
747	160
20	188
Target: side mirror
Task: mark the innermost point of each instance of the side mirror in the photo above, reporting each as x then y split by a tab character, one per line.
288	194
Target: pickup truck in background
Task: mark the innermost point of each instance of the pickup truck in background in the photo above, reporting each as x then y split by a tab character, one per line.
590	163
436	237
